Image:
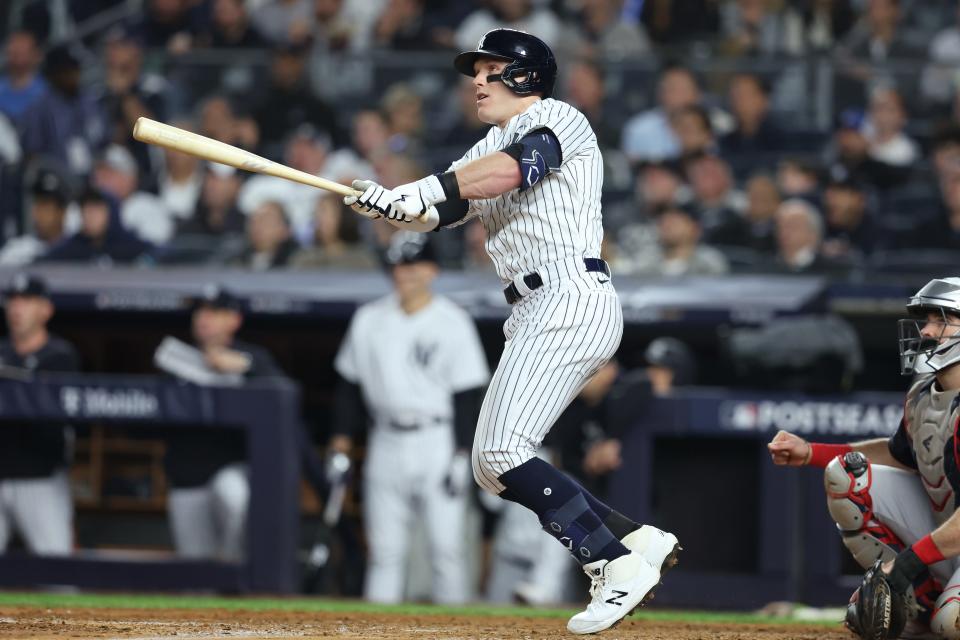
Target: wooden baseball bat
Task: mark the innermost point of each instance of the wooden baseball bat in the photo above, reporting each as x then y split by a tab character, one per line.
158	133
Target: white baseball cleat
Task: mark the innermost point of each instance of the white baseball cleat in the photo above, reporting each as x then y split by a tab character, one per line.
661	549
617	588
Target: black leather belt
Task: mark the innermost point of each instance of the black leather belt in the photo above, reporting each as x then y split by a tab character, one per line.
533	280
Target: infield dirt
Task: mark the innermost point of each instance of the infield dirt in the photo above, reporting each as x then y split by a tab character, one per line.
40	623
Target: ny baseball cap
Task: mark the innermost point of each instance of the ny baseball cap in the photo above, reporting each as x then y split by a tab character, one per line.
672	354
407	247
50	184
25	284
215	296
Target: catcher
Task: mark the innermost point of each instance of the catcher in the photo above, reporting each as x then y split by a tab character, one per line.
895	500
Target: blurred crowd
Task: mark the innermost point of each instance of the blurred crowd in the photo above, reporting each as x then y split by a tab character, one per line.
788	136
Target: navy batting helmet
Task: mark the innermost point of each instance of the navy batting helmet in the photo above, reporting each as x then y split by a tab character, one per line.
528	56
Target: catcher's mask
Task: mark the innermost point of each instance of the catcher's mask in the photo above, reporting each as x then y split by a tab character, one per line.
932	353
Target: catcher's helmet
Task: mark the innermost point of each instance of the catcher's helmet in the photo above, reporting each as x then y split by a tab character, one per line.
917	353
528	56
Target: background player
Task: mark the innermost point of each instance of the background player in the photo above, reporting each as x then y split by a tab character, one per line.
210	490
35	496
418	449
900	505
534	181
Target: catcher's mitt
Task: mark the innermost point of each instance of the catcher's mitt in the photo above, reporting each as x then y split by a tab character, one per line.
879	608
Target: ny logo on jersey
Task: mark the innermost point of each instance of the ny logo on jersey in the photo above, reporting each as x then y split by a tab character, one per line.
534	162
423	353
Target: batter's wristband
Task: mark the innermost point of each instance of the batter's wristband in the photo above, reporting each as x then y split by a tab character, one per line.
451	188
822	454
927	550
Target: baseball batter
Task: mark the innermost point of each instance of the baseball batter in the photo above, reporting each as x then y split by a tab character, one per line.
534	182
417	460
894	500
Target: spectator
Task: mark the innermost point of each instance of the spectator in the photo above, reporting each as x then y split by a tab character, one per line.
34	459
21	85
763	199
128	94
939	77
884	131
48	209
475	256
101	240
209	485
288	103
586	90
336	241
602	34
280	22
181	180
513	14
825	22
403	109
797	178
719	203
848	155
877	36
680	22
946	151
799	238
308	150
219	121
754	131
851	233
166	24
863	55
943	230
678	251
217	219
755	28
661	184
270	243
691	126
404	25
371	134
141	212
462	130
66	123
648	136
230	28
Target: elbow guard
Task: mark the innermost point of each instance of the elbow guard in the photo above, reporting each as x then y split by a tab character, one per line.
538	154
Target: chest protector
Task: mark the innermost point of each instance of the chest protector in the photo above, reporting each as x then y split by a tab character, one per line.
931	417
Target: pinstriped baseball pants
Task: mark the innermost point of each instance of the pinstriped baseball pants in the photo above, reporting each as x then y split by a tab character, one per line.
558	336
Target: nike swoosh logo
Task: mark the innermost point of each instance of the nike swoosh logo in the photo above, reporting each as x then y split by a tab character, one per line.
602	281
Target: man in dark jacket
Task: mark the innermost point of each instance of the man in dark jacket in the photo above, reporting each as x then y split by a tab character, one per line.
102	238
34	488
209	487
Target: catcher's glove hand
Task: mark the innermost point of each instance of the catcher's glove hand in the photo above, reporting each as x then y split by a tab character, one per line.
880	608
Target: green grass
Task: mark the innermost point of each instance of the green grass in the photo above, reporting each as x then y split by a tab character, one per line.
130	601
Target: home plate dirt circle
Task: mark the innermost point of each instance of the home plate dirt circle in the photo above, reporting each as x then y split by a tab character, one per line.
142	624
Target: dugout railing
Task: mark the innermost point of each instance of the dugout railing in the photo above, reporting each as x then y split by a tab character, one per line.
268	411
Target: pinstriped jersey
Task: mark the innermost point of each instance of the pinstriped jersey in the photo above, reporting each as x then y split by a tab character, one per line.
559	217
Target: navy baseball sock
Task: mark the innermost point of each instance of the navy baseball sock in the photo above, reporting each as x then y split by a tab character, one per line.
619	524
562	509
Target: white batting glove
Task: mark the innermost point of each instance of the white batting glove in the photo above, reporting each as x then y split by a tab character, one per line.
417	197
372	202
